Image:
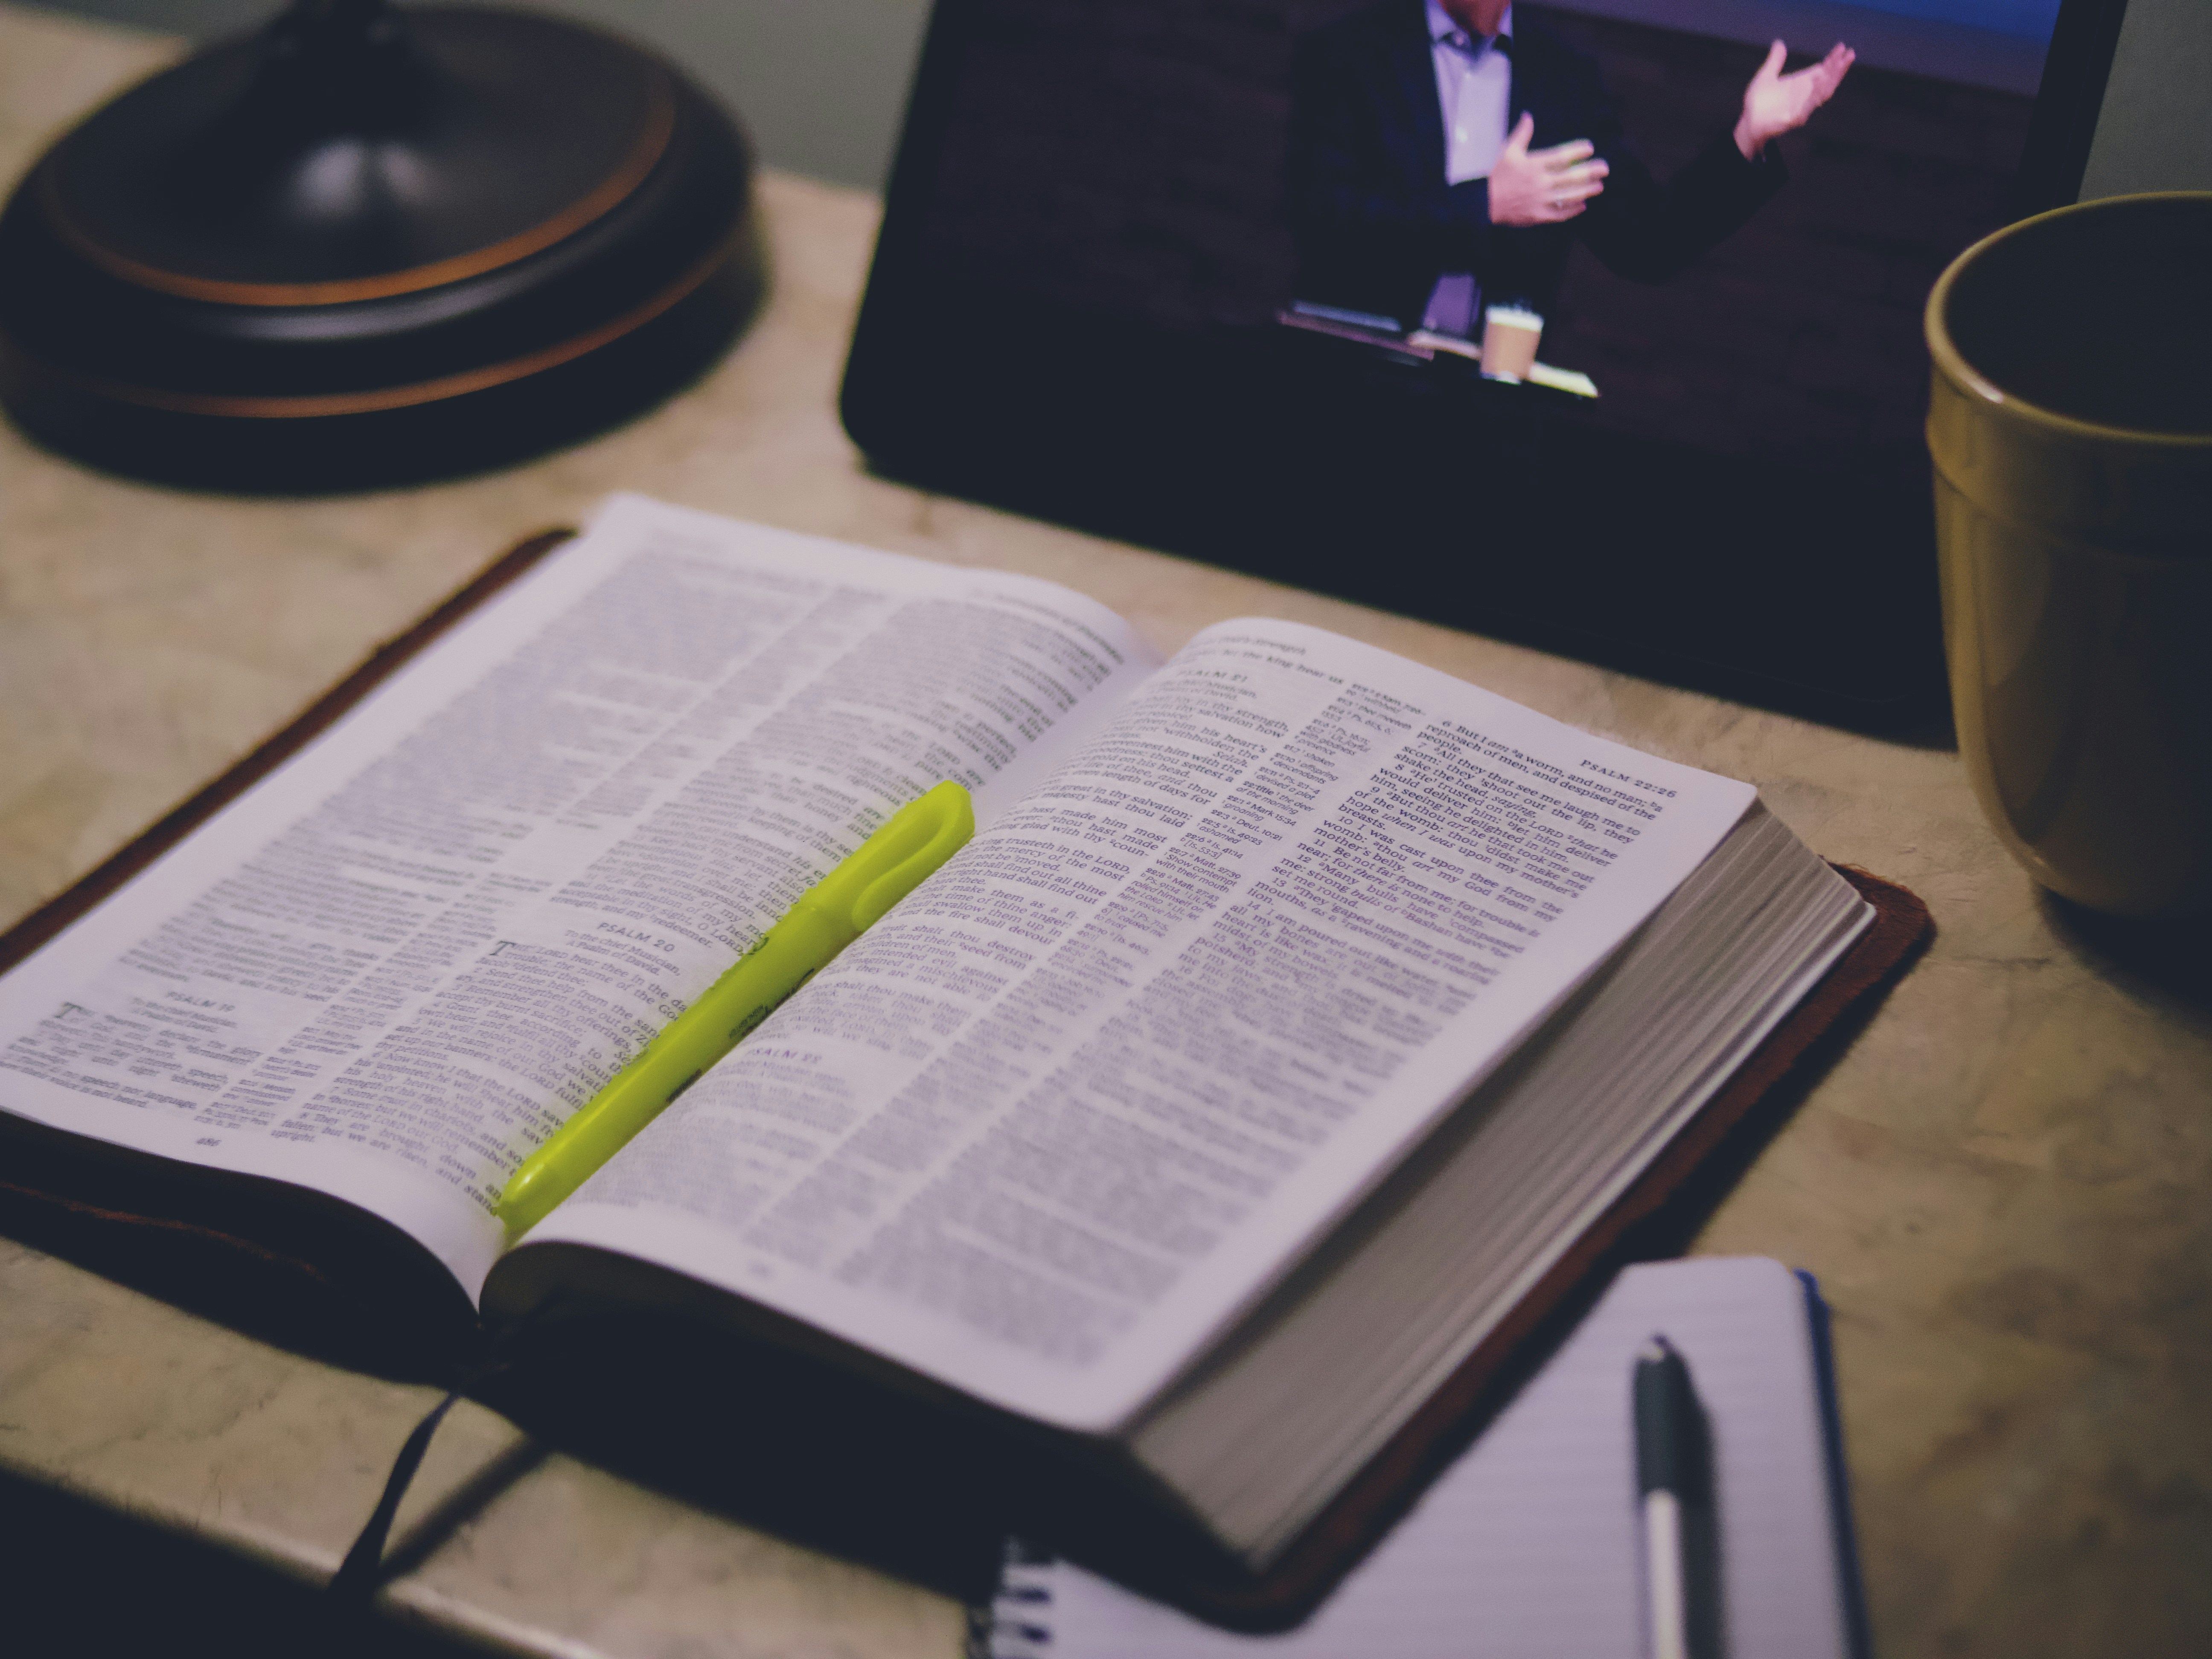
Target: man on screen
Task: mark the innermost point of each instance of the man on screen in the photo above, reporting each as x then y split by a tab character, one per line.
1440	155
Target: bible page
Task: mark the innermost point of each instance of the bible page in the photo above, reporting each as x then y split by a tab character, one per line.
392	967
1054	1122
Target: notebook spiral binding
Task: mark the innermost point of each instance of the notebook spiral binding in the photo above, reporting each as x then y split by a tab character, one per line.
1018	1623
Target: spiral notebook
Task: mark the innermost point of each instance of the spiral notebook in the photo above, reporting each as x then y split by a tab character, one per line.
1528	1546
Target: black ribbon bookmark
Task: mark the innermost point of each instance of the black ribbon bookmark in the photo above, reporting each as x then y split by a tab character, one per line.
362	1572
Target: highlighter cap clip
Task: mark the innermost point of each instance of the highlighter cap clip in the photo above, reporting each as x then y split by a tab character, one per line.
912	844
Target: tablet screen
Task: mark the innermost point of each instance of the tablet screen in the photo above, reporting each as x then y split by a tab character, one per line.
1598	326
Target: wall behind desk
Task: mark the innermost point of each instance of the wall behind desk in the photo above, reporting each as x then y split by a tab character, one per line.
820	84
2154	132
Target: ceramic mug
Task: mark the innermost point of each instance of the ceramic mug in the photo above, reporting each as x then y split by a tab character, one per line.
2070	422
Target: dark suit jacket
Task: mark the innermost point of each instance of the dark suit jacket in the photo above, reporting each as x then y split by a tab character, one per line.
1375	223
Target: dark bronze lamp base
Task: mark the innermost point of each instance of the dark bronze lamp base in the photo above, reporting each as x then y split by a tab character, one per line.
369	246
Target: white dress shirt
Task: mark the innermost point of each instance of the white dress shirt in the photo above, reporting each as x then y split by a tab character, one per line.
1475	91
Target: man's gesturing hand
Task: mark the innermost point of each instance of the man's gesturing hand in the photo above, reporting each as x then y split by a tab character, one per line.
1545	186
1775	103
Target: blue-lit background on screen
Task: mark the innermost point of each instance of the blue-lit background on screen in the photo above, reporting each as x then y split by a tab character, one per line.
2032	18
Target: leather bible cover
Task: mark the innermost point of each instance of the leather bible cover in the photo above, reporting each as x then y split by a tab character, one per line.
1774	1078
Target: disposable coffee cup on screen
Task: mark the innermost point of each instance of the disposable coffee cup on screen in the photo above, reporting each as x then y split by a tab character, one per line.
1510	334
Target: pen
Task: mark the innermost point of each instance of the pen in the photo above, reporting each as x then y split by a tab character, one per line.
891	863
1669	1456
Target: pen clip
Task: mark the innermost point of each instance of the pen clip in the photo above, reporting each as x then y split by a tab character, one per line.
913	843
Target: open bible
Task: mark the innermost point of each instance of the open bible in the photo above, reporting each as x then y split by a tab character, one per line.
1295	1013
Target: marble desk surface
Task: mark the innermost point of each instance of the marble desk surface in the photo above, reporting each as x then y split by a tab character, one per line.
2005	1185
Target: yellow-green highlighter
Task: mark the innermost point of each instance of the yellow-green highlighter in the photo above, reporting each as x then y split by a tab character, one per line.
891	863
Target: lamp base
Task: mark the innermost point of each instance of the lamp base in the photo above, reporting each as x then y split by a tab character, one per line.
367	247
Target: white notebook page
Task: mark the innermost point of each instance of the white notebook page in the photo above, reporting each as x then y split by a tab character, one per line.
1528	1546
